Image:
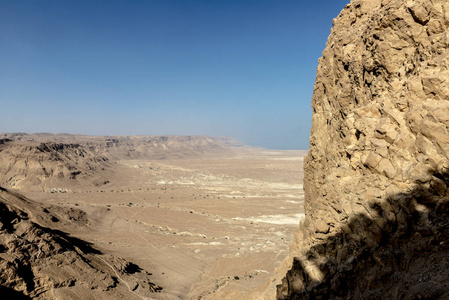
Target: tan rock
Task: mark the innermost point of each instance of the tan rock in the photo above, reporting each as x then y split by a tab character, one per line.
386	168
385	70
373	160
419	12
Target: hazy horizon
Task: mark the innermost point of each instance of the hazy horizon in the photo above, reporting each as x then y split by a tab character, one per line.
242	69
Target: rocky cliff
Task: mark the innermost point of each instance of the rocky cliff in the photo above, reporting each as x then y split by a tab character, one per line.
377	172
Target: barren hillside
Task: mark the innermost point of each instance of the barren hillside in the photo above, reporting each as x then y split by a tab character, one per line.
62	162
128	147
39	260
50	165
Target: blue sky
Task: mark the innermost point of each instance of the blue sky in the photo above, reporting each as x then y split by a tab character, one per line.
180	67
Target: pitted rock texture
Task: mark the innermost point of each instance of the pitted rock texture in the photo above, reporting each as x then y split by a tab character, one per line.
376	175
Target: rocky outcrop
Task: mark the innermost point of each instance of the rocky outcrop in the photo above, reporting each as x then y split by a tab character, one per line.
40	261
377	171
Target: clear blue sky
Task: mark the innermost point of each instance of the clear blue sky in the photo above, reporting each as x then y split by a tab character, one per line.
236	68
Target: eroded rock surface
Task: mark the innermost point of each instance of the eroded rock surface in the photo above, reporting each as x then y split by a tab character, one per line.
39	261
44	166
376	175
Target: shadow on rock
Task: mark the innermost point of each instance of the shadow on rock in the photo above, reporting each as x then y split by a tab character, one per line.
70	242
8	293
400	250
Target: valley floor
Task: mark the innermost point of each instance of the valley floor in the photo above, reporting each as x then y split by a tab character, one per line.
202	226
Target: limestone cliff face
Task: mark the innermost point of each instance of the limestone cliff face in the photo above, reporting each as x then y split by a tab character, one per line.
377	172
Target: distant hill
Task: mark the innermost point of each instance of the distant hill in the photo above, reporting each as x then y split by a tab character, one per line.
25	164
135	146
59	162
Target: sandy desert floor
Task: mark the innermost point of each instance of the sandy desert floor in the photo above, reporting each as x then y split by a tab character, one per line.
202	226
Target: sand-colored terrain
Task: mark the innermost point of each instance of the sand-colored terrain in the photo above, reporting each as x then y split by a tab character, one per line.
202	224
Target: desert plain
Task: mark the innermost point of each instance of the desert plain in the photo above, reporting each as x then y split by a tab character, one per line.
201	224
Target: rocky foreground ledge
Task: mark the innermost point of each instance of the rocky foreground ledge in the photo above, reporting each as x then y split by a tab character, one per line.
40	261
377	173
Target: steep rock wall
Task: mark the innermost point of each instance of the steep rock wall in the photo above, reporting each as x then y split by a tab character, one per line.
376	175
